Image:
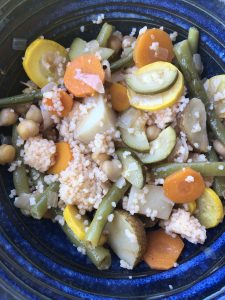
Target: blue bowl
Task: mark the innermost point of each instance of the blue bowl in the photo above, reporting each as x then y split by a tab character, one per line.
37	261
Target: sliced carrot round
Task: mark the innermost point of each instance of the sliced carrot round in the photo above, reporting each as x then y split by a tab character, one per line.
67	103
62	158
184	186
119	97
162	250
163	50
88	65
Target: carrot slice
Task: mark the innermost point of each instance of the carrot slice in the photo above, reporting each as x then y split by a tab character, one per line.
162	250
119	98
67	103
62	158
183	186
86	65
143	55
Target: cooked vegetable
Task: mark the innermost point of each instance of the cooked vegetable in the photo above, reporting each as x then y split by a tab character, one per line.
152	132
115	193
76	223
7	154
77	48
36	177
154	78
119	98
127	237
191	206
180	151
205	168
152	200
104	34
184	186
218	182
80	47
193	37
20	180
62	158
153	45
27	129
42	59
20	99
158	101
99	255
123	62
7	117
66	101
137	139
34	114
184	57
39	209
84	76
115	43
193	124
209	209
219	147
163	250
160	148
112	169
133	170
99	119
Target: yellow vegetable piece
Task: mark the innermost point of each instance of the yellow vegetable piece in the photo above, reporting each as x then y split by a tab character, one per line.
76	223
160	100
209	210
42	60
191	206
215	87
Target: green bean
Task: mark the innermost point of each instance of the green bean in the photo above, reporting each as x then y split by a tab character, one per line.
193	37
123	62
218	182
184	57
205	168
20	180
104	34
39	209
19	99
99	255
104	210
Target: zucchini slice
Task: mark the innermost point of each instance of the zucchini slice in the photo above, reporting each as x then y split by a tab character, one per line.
153	78
160	148
133	170
127	237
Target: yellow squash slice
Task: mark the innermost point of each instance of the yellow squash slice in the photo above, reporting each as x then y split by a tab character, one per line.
44	60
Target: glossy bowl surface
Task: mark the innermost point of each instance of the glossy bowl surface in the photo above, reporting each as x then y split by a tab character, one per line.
37	261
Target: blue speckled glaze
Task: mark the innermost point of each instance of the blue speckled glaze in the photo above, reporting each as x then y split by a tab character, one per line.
36	259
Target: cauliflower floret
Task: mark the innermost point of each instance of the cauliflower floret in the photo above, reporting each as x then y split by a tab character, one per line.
39	153
181	222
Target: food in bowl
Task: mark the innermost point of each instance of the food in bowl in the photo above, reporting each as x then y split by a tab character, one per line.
119	141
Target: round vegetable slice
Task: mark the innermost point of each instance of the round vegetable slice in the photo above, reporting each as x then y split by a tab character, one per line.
153	78
67	103
84	76
184	186
157	101
209	209
62	158
153	45
44	59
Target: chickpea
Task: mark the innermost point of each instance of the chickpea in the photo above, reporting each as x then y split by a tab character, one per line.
128	41
112	168
115	43
152	132
21	109
7	117
219	147
99	158
7	154
27	129
34	114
